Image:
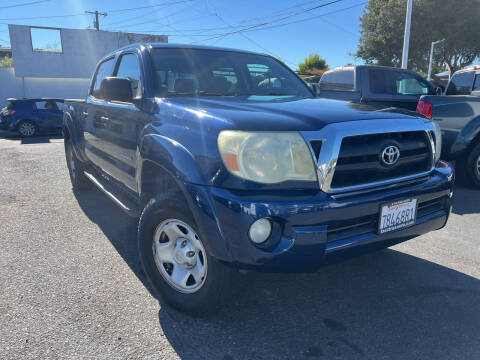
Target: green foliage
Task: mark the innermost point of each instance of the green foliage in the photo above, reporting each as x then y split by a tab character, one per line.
7	61
456	21
312	62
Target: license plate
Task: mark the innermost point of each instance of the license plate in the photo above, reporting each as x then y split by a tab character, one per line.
397	215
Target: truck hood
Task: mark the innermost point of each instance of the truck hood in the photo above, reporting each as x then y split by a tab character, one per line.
277	113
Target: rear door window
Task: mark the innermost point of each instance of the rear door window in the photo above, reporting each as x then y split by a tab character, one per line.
460	84
104	70
46	105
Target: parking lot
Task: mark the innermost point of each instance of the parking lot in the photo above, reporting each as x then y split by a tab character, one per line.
71	286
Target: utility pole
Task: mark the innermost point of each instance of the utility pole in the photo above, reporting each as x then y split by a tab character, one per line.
431	58
96	23
406	38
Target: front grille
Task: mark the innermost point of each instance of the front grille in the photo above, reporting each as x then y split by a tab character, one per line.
359	161
345	229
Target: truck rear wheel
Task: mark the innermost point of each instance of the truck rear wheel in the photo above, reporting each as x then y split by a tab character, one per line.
473	166
75	169
175	260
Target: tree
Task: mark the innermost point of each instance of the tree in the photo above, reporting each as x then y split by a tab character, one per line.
311	63
7	61
382	30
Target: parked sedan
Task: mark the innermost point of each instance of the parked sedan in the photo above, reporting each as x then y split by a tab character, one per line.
30	117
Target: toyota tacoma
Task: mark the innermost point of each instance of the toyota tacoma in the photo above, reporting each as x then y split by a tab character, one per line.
231	162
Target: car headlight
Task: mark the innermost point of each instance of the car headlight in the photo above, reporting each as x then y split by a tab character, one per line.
438	141
267	157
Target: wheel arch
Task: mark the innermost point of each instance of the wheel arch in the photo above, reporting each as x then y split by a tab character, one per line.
164	164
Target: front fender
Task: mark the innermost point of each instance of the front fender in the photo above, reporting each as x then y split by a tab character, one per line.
170	155
466	136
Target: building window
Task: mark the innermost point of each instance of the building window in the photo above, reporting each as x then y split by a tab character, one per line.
46	40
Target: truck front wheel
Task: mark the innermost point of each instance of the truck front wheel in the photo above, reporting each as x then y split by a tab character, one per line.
175	260
473	166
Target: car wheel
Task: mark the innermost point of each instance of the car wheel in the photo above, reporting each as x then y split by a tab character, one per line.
473	166
27	128
175	259
75	169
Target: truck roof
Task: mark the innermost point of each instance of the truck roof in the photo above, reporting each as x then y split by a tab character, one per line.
182	46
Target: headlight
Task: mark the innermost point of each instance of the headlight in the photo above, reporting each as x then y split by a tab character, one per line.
438	141
267	157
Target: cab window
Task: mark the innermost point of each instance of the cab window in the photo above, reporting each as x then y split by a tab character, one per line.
129	68
104	70
460	84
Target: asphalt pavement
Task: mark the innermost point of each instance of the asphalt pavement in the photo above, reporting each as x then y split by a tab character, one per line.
71	286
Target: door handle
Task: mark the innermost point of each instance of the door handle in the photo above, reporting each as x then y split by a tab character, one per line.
85	113
100	121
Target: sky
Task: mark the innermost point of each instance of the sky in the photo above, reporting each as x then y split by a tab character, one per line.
287	29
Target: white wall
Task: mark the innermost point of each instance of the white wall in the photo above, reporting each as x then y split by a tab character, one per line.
28	87
81	50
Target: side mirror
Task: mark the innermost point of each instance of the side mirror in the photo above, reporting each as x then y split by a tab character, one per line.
116	89
438	91
315	88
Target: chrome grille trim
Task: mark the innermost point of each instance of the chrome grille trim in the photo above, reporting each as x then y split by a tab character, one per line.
333	134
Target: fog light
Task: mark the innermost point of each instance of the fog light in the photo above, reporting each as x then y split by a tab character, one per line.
260	230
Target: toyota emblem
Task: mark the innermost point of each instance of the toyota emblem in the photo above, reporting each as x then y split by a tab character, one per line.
390	155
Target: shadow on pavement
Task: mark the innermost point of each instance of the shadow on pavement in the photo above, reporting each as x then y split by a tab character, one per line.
117	226
386	305
41	139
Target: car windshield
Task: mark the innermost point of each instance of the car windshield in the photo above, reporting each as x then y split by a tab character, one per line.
200	72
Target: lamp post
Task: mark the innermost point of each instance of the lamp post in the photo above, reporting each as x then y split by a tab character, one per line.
431	58
406	38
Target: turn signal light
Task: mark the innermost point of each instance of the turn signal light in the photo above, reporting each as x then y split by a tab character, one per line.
11	112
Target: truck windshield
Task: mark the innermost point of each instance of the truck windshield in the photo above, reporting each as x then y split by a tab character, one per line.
200	72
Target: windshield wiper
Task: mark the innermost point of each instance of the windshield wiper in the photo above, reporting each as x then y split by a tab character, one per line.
274	94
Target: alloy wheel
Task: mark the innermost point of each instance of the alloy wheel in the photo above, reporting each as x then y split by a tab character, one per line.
27	129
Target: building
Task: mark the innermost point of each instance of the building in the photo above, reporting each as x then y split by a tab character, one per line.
54	62
4	52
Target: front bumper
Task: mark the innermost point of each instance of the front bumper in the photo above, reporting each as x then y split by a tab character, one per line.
316	228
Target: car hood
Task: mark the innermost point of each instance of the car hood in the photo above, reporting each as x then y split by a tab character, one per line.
278	113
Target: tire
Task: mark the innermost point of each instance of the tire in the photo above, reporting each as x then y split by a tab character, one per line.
27	128
473	166
75	169
201	294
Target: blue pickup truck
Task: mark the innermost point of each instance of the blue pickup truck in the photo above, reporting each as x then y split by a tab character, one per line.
231	162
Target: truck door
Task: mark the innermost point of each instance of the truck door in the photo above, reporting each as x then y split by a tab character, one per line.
400	89
92	116
124	122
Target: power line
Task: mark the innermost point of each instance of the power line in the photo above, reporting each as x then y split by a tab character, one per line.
82	14
24	4
275	20
150	6
232	25
249	29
